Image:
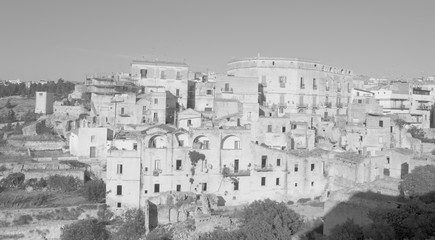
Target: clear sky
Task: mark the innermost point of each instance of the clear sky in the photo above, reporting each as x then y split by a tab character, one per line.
69	39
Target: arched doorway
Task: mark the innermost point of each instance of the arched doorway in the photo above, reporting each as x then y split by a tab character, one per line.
404	170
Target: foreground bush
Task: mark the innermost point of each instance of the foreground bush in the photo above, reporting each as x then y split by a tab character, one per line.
95	190
88	229
22	199
64	183
133	226
263	220
13	180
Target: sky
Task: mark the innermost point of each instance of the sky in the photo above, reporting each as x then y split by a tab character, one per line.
71	39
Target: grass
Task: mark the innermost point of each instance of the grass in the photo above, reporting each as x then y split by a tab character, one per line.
22	105
22	199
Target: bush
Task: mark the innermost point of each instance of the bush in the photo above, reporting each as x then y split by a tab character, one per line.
35	183
23	219
133	226
74	163
21	200
13	180
88	229
95	190
64	183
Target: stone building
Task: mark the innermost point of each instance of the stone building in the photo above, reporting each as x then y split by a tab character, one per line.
291	85
173	76
90	142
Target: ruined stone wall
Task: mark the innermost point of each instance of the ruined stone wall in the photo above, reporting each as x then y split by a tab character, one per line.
37	145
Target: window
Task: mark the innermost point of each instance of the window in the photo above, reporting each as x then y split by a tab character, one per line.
360	101
189	122
282	81
177	92
278	162
312	166
312	184
283	129
156	187
236	165
269	128
144	110
156	116
178	76
296	184
381	123
227	87
118	204
236	186
208	109
277	181
327	86
314	84
118	190
204	187
391	129
209	92
360	138
263	181
143	73
178	187
178	165
119	169
263	161
388	160
122	111
134	146
302	83
162	75
386	172
157	165
156	100
296	167
181	143
236	144
92	138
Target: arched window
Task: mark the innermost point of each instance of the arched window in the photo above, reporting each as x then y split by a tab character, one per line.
231	142
158	141
201	142
183	140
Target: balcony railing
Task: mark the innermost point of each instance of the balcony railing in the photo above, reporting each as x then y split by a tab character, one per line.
401	107
314	87
235	173
423	107
227	90
267	168
339	105
302	105
328	104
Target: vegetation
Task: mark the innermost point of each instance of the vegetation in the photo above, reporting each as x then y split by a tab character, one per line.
88	229
74	163
419	182
64	183
23	200
133	226
419	134
23	219
263	220
95	190
61	88
13	180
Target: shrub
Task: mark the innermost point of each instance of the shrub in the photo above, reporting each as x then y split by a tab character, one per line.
95	190
133	226
23	219
21	200
13	180
88	229
74	163
64	183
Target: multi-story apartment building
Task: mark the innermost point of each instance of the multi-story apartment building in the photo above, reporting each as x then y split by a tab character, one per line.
220	161
293	85
173	76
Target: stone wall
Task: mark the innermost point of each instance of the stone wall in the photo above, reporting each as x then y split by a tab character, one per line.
37	145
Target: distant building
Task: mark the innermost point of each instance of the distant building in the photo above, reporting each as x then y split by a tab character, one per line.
44	102
291	85
173	76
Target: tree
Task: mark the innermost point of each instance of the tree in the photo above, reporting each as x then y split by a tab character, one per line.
95	190
270	220
133	226
87	229
347	231
419	182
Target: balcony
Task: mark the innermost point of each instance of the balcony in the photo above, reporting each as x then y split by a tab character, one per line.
157	172
314	87
400	107
339	105
302	86
227	90
302	105
235	173
423	107
328	104
266	168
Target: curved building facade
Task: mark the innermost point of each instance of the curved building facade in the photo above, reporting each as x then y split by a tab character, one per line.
290	85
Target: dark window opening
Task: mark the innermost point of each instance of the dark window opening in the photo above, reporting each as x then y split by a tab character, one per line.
277	181
119	205
236	186
119	190
178	188
278	162
156	187
312	167
263	181
178	165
